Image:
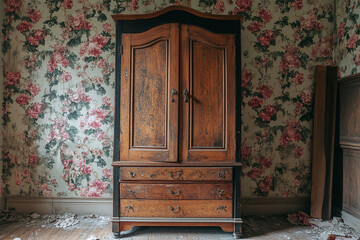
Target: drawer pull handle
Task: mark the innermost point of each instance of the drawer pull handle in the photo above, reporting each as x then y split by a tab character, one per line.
129	207
132	174
178	175
223	208
220	192
131	192
173	193
174	210
221	174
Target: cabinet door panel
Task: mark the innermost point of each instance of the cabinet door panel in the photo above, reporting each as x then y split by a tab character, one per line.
208	117
148	116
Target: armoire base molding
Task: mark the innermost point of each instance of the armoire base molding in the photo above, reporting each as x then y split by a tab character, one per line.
103	206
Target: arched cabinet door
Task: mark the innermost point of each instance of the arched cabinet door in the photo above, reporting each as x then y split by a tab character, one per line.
207	107
149	95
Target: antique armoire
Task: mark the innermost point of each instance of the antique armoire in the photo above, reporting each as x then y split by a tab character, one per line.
177	123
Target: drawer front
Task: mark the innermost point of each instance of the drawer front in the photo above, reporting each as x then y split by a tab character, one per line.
176	174
176	191
176	208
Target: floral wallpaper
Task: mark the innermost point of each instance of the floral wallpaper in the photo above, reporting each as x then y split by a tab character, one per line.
58	101
1	93
347	44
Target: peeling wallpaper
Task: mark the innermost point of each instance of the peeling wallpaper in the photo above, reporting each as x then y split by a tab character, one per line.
58	101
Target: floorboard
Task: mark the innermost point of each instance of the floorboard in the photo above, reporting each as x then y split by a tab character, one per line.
256	228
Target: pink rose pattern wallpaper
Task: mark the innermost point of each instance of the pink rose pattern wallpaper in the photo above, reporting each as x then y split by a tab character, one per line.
347	44
58	101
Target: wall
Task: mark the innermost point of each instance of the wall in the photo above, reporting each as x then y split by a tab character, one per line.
1	93
59	92
347	44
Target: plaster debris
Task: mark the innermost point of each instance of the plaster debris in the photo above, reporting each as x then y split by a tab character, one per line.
34	216
66	220
92	237
334	229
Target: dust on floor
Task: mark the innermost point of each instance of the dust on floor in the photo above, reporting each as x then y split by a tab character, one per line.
299	226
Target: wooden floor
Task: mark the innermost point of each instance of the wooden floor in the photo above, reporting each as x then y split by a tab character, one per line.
260	228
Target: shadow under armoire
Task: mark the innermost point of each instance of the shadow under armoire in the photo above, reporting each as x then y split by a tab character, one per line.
177	123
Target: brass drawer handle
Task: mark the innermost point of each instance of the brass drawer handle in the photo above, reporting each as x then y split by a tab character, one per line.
223	208
173	193
173	92
173	210
220	192
132	174
129	207
178	175
131	192
221	174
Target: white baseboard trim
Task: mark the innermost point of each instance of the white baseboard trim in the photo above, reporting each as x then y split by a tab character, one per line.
103	206
47	205
350	220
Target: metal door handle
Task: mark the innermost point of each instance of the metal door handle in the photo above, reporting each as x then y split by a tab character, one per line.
173	92
186	95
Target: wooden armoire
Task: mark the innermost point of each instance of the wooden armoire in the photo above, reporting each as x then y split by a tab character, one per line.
177	123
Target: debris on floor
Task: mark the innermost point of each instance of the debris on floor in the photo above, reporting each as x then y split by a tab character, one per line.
334	229
92	237
299	218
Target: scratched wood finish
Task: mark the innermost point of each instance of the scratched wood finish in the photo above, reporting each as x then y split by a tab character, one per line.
349	125
149	88
176	208
208	117
149	119
176	191
176	174
323	142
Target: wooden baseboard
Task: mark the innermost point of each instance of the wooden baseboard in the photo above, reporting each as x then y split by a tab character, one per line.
350	220
103	206
274	206
46	205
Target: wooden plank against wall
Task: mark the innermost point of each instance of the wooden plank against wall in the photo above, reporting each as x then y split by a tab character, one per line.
323	141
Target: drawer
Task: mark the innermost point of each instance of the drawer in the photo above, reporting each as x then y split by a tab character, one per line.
176	191
176	208
176	174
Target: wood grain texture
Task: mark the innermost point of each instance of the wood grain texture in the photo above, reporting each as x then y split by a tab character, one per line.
323	141
176	208
175	8
351	182
175	191
208	118
176	174
149	120
349	124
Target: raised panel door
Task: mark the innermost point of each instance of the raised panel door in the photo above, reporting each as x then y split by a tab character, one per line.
149	99
207	107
